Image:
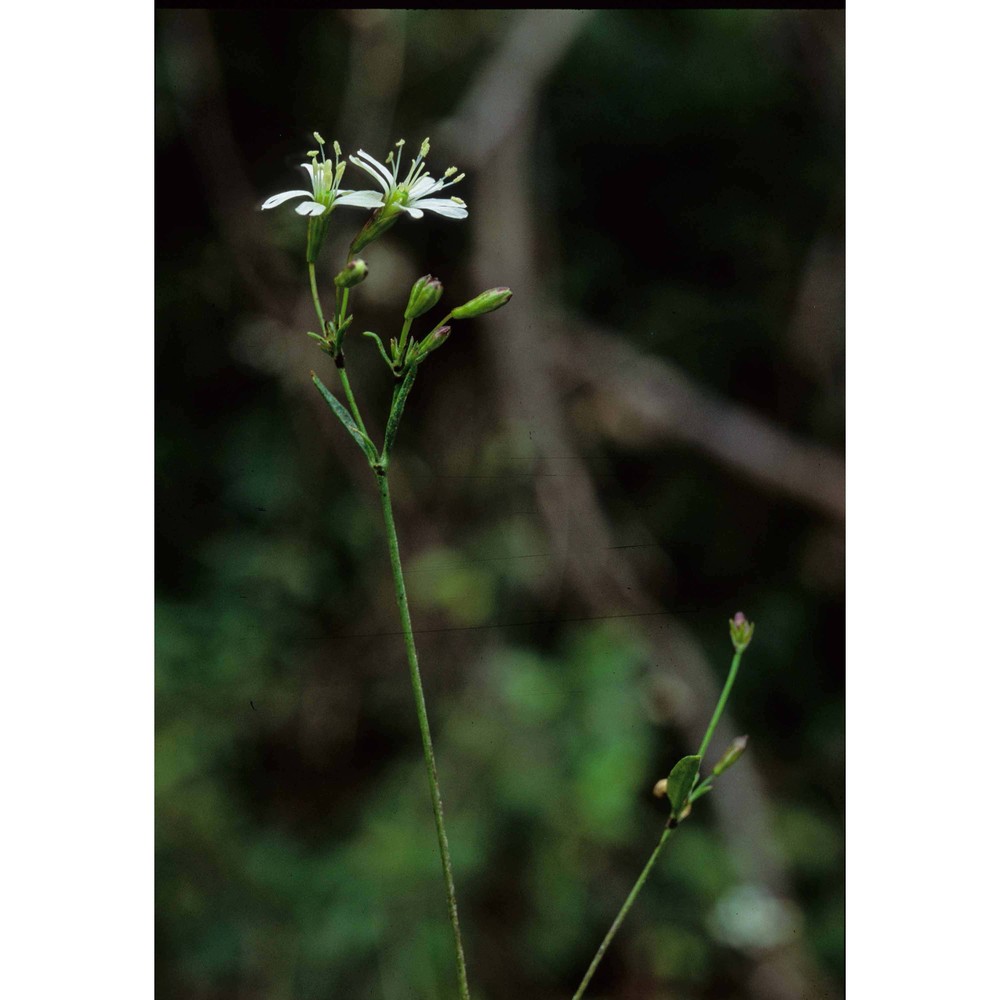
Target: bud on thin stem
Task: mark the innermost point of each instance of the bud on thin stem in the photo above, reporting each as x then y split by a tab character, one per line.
485	302
424	296
355	272
733	753
740	631
432	341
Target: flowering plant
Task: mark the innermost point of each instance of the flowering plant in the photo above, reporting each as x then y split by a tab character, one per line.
413	195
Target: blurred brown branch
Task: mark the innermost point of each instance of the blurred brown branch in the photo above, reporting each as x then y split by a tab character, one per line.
195	76
645	398
377	58
506	89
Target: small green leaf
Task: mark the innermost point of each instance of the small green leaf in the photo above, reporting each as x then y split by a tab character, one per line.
700	791
396	411
346	419
681	781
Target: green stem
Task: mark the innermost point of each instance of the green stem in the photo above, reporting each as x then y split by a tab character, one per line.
623	912
344	380
720	707
425	729
403	334
343	307
438	326
315	295
351	402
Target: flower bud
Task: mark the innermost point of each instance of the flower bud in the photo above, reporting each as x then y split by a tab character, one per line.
740	631
355	272
485	302
660	788
425	295
433	341
733	753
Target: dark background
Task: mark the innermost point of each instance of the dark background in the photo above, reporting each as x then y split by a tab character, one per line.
588	484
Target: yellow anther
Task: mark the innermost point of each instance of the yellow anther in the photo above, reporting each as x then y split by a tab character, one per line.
425	147
450	171
319	138
336	147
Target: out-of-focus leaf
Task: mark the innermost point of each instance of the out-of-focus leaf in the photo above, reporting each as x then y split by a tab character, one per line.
681	780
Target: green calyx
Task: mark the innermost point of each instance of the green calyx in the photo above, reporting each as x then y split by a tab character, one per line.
485	302
424	296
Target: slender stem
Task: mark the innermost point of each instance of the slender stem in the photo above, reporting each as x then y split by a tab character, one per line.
351	402
723	698
315	295
441	324
425	729
403	334
623	912
343	306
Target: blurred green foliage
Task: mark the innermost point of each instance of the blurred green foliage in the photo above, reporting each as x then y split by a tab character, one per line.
689	162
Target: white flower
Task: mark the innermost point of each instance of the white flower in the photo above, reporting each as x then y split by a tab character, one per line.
413	193
326	192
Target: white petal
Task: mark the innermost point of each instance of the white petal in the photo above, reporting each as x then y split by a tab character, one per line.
414	212
376	169
443	206
310	208
425	186
277	199
308	168
361	199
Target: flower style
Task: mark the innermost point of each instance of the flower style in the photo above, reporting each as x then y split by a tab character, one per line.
412	193
326	193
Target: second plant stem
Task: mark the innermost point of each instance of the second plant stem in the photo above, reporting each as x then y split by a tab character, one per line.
721	705
425	729
623	912
641	881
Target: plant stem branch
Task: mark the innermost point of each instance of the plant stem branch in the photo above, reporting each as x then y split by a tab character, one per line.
344	380
351	402
316	303
403	334
623	912
425	730
720	707
343	306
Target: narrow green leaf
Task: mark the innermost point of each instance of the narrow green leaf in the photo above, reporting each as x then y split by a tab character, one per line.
681	780
345	418
396	412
